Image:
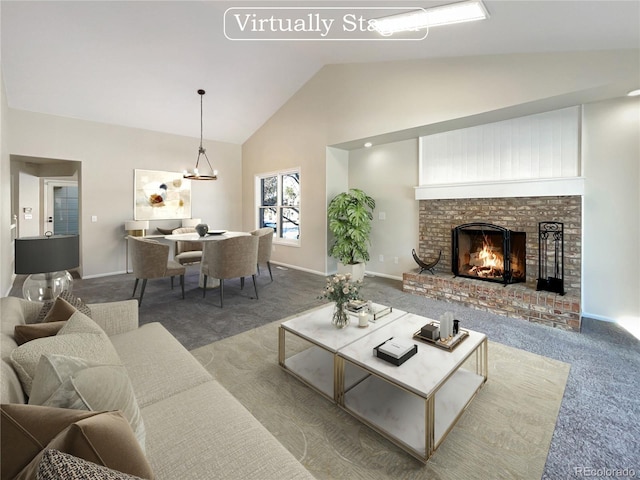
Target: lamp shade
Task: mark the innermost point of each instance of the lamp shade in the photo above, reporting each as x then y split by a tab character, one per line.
136	225
46	254
191	222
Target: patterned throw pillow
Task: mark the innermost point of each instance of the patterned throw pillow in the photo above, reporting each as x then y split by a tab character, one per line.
62	304
56	465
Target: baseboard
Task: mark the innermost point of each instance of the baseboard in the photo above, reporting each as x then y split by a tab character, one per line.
109	274
597	317
295	267
383	275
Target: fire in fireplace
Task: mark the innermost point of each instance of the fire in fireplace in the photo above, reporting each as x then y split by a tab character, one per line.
488	252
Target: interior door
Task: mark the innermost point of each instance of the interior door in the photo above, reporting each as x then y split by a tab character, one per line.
61	209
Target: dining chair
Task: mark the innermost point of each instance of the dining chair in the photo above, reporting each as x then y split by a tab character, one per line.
187	253
234	257
150	259
265	237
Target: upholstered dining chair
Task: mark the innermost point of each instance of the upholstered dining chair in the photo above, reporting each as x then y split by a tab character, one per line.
234	257
150	259
187	253
265	237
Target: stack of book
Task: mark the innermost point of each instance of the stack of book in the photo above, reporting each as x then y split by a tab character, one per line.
356	306
396	352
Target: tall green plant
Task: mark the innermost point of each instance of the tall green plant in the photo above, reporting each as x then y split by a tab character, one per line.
350	214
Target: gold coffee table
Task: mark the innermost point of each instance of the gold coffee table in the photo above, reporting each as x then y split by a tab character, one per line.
426	395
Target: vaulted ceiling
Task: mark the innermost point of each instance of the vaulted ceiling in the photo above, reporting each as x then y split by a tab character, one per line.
140	63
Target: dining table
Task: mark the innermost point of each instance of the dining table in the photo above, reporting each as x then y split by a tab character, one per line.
211	236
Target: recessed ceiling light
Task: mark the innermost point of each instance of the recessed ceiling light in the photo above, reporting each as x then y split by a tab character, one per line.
368	145
414	20
634	93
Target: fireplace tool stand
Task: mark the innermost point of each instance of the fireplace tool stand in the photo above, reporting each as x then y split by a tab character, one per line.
551	257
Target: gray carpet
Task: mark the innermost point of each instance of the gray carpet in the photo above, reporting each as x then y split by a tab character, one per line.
599	422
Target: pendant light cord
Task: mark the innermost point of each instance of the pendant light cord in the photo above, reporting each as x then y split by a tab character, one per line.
201	95
201	150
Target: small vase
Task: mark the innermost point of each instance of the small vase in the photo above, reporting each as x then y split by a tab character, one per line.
202	229
340	317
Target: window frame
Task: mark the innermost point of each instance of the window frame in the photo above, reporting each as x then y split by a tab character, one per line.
277	239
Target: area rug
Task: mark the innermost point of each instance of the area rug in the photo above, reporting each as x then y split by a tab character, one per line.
505	432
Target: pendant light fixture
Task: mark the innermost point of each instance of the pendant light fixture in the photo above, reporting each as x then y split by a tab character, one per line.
196	174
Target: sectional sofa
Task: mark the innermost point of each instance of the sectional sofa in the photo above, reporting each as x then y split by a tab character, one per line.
193	427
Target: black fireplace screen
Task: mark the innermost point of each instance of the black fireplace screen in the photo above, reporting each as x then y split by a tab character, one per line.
488	252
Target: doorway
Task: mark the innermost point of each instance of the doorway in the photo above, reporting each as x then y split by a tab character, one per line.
61	207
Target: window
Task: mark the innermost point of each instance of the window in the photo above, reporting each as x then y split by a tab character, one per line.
279	204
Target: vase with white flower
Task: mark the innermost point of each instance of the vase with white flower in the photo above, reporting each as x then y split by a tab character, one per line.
341	290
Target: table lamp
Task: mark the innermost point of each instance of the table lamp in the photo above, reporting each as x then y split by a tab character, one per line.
46	261
136	228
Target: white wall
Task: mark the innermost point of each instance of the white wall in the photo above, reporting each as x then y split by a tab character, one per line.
29	197
337	182
389	173
611	161
545	145
109	154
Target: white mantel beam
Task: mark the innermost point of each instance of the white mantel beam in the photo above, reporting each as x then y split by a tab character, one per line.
544	187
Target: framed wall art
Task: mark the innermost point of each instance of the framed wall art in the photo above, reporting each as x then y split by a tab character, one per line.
161	195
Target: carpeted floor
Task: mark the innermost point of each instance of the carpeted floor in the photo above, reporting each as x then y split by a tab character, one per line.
505	432
598	426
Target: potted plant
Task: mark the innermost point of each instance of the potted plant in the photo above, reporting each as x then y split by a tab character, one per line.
350	214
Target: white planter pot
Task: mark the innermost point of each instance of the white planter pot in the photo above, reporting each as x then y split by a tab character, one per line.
356	270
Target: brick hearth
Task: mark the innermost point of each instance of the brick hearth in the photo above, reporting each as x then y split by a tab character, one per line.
516	301
438	217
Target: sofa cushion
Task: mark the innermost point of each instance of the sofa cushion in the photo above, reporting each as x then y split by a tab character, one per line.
104	438
57	465
25	333
80	337
158	365
70	382
224	439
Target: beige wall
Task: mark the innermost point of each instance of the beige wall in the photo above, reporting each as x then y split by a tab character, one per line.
109	154
611	161
343	103
6	245
389	173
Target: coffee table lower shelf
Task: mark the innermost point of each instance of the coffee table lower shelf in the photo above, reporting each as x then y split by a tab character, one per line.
315	367
370	399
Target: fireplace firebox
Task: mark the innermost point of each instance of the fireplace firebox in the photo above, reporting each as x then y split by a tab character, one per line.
484	251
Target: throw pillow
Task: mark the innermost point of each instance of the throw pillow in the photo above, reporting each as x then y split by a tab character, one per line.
26	333
69	299
70	382
60	310
104	438
56	465
80	337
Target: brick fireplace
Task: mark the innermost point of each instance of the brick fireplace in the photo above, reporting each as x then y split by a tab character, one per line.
437	218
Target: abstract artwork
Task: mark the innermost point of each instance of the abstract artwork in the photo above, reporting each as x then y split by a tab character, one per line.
161	195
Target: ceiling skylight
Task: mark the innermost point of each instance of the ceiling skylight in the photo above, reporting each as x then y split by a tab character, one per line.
414	20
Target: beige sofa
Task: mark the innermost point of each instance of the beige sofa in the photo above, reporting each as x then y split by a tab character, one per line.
195	429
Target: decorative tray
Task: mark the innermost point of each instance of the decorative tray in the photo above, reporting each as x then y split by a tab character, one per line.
381	312
450	345
378	313
216	232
